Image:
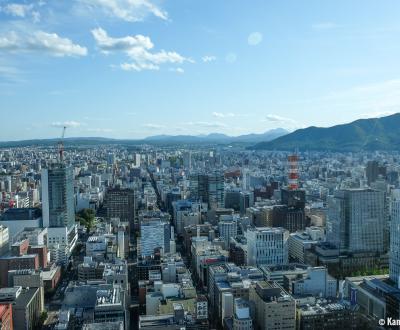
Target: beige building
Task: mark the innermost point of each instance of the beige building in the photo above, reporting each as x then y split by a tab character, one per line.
274	307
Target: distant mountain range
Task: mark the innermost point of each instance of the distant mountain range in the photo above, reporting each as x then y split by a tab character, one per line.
363	134
164	139
221	138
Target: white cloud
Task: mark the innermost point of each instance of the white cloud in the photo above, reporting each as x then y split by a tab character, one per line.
17	10
223	115
324	26
231	58
21	11
205	124
378	114
138	49
127	10
100	130
254	38
153	126
40	41
278	119
177	70
209	58
36	16
70	123
10	74
108	44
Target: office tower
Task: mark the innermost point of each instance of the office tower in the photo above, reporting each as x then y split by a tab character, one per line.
232	199
121	204
110	159
356	220
216	190
199	187
373	170
137	160
245	179
58	196
267	246
246	200
227	227
4	239
208	188
187	160
275	309
394	263
293	198
154	233
59	211
291	215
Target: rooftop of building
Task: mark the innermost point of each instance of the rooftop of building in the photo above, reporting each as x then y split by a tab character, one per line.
270	291
15	214
274	230
118	325
25	297
169	305
108	297
321	307
48	275
284	268
25	256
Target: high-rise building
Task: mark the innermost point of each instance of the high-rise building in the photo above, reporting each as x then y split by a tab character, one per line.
58	209
227	228
154	234
373	170
187	160
394	262
4	239
58	196
121	204
208	188
267	246
356	220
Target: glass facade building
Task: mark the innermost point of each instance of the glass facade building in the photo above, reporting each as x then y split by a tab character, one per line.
58	196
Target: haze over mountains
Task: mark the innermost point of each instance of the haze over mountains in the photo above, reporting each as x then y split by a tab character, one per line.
209	138
363	134
218	137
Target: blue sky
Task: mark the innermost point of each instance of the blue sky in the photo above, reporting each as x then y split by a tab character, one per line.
134	68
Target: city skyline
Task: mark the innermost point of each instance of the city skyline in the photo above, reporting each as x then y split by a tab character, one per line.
131	69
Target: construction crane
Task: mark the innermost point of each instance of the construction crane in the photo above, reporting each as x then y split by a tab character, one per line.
61	145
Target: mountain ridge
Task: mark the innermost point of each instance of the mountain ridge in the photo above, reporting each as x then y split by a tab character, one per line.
163	138
362	134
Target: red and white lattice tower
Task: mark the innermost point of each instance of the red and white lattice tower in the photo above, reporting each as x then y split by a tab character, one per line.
293	172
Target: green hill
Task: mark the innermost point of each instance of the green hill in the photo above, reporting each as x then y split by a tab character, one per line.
363	134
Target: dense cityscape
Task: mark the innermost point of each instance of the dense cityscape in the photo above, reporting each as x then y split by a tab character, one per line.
199	236
199	165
